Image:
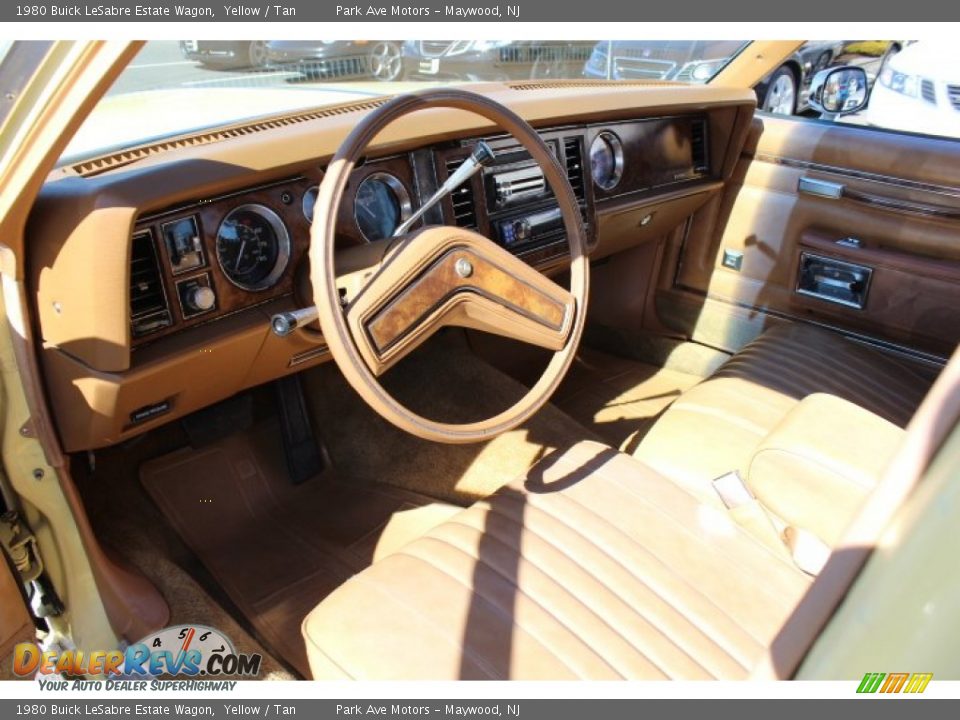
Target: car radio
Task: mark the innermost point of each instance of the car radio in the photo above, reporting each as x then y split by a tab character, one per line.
515	179
523	211
517	186
536	228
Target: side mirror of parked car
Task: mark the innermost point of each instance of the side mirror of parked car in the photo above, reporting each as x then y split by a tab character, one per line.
838	91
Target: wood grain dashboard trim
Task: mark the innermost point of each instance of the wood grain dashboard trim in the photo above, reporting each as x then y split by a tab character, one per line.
283	198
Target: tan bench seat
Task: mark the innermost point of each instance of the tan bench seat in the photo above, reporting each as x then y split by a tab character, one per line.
592	566
717	426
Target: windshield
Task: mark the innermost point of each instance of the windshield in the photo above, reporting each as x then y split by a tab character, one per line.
171	88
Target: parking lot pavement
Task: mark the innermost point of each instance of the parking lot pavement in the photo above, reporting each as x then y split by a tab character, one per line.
160	65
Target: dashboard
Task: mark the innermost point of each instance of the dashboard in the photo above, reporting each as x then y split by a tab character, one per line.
155	274
197	262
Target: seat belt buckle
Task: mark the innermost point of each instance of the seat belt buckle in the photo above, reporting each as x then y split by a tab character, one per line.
733	491
809	552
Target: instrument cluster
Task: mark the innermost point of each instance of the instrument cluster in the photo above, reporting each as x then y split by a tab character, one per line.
217	256
208	259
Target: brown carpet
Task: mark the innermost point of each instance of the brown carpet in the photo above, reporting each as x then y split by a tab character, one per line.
446	381
617	398
275	548
133	531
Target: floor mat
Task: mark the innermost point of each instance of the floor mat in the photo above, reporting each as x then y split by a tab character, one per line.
275	548
617	398
135	534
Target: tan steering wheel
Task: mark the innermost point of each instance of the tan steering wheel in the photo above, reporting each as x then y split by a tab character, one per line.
379	302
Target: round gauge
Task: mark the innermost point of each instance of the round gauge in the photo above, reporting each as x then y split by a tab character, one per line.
606	160
380	205
253	247
308	201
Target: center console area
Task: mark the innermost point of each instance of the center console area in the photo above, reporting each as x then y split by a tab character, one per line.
511	203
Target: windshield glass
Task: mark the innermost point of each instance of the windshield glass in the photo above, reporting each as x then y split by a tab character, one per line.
171	88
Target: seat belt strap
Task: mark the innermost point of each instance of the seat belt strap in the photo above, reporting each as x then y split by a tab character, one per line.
747	511
808	552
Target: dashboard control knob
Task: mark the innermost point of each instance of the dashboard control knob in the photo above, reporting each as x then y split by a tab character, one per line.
521	230
201	298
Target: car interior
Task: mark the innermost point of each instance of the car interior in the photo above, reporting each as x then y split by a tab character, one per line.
609	409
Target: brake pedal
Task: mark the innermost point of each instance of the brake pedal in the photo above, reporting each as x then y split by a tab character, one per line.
304	458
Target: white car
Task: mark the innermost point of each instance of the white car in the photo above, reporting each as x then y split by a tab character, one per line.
918	90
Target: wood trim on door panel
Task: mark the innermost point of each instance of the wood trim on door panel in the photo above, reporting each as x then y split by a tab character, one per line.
842	147
898	182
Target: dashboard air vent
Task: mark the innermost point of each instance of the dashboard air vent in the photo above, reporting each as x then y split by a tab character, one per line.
149	311
698	142
464	207
573	160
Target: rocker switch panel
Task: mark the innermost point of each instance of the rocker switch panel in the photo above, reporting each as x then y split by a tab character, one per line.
732	259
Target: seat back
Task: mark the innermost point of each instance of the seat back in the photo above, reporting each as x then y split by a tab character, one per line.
927	432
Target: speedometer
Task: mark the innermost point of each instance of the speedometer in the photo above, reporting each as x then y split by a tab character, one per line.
253	247
606	160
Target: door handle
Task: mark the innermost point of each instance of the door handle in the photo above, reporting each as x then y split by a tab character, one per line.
821	188
836	191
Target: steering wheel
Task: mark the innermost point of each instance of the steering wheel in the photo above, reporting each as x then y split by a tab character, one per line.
378	302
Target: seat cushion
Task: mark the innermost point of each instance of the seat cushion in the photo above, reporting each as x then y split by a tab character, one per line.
716	427
592	566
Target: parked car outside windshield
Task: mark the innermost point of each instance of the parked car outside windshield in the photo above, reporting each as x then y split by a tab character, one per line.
172	88
918	90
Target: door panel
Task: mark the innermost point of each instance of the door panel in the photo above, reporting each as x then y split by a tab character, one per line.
899	196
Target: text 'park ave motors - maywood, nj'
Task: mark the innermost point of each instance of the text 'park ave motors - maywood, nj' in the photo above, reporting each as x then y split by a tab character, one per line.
451	11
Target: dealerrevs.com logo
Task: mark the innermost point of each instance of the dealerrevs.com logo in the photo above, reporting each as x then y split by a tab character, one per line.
197	653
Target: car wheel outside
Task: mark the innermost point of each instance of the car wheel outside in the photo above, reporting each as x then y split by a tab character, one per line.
386	61
257	54
781	95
